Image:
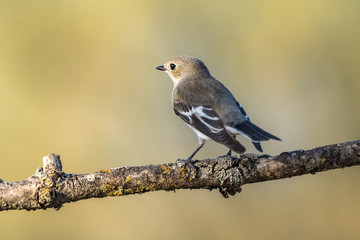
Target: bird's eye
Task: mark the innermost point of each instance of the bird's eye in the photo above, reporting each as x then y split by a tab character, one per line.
172	66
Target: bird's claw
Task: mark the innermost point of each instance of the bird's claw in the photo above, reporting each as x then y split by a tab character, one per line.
188	162
235	161
192	166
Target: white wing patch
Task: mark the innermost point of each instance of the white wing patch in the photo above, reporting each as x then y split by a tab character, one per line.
199	112
235	131
202	116
198	133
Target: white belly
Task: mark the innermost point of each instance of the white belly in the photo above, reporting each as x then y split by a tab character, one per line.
199	134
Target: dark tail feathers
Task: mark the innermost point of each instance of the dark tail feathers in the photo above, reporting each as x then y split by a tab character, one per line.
255	133
257	146
237	147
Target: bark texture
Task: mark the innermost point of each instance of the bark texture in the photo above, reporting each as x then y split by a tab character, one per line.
49	187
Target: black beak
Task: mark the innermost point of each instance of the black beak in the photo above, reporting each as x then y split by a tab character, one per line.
161	68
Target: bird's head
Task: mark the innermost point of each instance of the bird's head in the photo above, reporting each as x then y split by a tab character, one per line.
182	67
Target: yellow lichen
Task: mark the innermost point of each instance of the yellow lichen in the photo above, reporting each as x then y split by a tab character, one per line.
110	190
48	182
116	193
128	179
182	172
165	169
44	196
129	191
322	160
105	170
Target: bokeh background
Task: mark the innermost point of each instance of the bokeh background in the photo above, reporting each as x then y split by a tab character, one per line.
78	78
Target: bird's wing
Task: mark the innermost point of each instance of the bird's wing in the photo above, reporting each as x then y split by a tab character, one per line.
204	119
242	110
250	130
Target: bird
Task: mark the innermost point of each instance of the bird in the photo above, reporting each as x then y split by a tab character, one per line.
209	108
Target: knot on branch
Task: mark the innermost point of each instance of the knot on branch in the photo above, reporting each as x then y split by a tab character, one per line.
51	178
232	173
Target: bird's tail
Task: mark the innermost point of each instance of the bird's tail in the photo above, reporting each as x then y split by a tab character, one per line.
229	141
237	147
254	133
257	146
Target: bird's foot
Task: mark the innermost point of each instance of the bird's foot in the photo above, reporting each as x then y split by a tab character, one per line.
229	153
252	157
235	161
189	163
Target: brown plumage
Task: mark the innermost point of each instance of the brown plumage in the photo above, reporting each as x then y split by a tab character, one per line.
208	107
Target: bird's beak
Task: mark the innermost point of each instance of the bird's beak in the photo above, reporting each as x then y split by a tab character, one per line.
161	68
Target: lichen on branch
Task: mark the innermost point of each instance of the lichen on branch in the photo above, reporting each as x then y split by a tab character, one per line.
50	187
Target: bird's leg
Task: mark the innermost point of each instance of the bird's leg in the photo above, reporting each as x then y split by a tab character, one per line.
236	162
229	152
188	161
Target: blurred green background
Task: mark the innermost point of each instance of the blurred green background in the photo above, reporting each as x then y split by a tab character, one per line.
78	78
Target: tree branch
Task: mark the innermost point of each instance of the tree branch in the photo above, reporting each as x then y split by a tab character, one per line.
49	187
